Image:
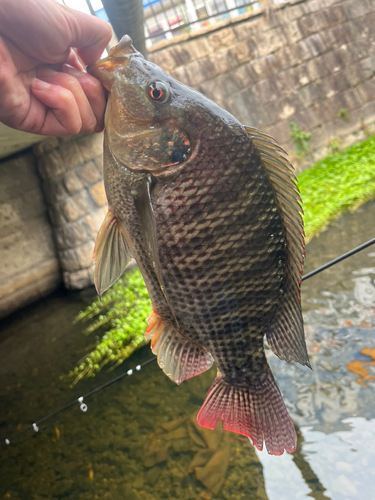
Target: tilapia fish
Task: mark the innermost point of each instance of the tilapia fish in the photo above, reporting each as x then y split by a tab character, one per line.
210	211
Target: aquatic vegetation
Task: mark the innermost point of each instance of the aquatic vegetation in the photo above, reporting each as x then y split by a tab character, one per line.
340	182
123	310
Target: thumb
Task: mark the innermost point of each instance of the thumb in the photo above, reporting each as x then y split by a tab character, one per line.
89	35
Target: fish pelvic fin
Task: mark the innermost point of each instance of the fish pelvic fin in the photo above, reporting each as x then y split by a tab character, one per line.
111	253
286	335
255	411
178	357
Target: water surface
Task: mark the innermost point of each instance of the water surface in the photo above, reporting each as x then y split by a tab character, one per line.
138	439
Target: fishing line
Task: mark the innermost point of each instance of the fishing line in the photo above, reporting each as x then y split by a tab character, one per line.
339	259
83	406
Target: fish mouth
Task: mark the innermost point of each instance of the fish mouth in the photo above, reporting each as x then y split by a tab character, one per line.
119	55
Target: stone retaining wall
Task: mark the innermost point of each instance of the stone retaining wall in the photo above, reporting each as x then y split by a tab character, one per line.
308	62
73	186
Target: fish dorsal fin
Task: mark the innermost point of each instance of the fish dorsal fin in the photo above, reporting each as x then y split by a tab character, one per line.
286	335
111	253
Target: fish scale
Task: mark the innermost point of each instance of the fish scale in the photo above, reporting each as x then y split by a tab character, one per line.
209	210
192	318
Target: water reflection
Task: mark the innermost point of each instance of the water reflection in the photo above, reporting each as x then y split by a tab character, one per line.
339	332
333	459
343	463
361	368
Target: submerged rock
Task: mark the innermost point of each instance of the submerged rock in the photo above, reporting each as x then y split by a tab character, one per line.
200	459
195	436
169	426
157	453
213	474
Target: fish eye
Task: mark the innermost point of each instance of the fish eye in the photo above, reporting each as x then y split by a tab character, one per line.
158	92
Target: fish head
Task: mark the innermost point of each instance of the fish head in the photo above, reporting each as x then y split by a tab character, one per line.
152	120
144	118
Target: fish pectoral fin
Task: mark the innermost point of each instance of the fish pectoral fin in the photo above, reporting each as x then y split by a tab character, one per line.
178	357
145	213
256	411
111	253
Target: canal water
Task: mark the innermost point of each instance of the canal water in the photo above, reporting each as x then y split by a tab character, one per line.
138	439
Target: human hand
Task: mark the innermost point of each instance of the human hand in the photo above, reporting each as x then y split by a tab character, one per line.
43	86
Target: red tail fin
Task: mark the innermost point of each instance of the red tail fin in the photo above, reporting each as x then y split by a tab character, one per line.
257	412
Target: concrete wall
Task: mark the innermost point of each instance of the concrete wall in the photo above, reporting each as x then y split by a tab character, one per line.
29	267
305	62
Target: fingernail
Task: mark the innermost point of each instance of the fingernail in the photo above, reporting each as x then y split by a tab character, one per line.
40	85
45	71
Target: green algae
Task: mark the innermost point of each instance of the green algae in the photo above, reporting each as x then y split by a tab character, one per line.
340	182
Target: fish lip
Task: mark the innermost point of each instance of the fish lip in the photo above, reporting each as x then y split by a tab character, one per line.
104	69
106	64
119	55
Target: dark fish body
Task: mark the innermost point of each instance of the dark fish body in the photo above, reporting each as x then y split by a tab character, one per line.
209	210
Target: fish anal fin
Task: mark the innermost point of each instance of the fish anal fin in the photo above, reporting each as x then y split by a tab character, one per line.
111	253
177	356
286	334
256	411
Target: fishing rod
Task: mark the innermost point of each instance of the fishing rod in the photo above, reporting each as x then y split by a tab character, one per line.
83	406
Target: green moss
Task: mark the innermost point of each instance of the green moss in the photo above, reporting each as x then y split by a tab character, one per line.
337	183
340	182
122	311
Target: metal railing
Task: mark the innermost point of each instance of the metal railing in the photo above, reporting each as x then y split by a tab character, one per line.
165	19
